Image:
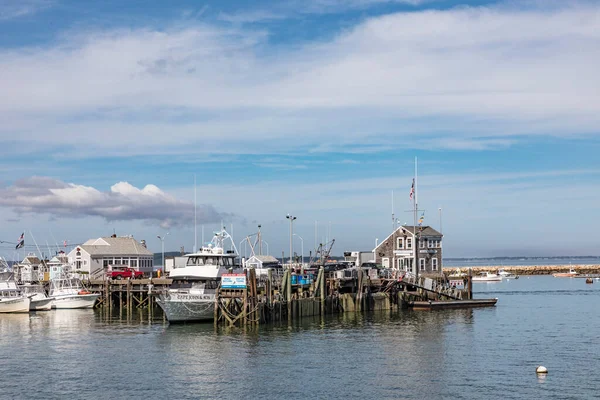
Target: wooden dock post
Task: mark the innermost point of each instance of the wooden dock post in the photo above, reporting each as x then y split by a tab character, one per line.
470	285
289	294
321	281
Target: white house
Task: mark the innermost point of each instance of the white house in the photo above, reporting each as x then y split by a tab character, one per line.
96	255
263	263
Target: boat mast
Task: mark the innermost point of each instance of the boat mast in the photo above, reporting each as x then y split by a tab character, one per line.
195	220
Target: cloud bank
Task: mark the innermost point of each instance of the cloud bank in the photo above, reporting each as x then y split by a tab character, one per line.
469	78
123	202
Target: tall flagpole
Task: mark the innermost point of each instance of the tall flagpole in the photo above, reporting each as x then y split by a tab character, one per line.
415	240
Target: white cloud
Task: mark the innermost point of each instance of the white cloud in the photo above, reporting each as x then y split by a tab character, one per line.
124	202
474	78
10	9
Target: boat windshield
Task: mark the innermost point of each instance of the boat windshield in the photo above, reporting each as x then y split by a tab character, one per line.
210	260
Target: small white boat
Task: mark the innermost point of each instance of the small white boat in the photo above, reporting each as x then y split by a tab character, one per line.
506	274
39	299
457	274
70	293
487	277
569	274
11	298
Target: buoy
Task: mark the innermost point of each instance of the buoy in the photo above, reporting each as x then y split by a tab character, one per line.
541	370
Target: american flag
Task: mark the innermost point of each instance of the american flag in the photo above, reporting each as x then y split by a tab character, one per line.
412	189
21	241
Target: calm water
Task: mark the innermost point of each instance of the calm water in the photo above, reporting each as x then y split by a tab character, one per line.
462	354
482	262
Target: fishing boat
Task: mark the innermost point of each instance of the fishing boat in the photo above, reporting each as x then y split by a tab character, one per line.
39	299
191	296
487	277
572	273
506	274
70	293
12	300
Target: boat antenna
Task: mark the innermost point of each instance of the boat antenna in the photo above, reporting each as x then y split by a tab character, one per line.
195	219
36	245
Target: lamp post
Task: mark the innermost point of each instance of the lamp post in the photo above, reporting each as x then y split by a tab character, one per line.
440	210
162	241
302	251
375	250
291	218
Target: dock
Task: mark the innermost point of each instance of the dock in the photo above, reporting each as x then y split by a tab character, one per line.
272	299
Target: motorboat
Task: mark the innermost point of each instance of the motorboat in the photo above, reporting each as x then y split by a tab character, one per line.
12	300
192	294
457	274
70	293
40	301
506	274
572	273
487	277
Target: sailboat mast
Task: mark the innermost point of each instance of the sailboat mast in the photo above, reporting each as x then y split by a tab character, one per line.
415	240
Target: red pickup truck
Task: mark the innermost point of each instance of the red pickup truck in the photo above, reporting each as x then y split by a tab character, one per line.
123	273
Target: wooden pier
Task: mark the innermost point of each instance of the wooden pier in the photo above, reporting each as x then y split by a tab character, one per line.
267	299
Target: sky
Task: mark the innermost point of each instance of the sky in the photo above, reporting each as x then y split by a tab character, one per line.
316	108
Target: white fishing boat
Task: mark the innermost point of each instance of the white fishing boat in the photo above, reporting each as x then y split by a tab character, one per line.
70	293
40	301
12	300
571	274
191	296
506	274
487	277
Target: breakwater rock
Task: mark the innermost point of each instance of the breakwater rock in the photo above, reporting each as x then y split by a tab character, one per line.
529	269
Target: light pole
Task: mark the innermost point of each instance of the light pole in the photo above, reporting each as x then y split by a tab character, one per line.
374	250
162	241
265	242
440	210
291	218
302	251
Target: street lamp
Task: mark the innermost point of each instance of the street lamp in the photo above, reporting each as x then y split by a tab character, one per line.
291	218
302	251
162	240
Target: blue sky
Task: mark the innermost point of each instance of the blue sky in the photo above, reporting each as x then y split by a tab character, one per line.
315	108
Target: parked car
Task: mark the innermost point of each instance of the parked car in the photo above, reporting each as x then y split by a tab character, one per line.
124	273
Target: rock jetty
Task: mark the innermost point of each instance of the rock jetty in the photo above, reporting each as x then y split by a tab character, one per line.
529	269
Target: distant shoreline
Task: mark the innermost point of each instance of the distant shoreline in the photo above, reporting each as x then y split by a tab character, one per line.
530	269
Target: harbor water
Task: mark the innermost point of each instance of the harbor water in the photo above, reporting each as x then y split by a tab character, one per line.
488	353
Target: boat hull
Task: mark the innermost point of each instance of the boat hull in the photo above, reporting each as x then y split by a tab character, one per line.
41	304
16	305
564	275
75	301
498	279
178	311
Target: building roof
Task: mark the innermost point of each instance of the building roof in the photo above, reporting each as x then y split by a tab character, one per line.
118	246
425	231
264	258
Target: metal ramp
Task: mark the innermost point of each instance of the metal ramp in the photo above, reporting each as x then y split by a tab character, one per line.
431	285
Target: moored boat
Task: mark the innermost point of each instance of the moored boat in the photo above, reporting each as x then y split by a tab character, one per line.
191	296
572	273
487	277
39	299
11	298
70	293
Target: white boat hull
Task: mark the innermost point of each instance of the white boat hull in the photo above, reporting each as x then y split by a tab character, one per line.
497	279
75	301
177	310
15	305
41	304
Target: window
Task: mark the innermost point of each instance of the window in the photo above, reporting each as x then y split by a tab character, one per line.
133	263
400	243
438	243
105	262
408	243
434	264
421	243
421	264
78	264
78	254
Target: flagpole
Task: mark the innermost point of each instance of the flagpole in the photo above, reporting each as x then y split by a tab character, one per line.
416	242
393	218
